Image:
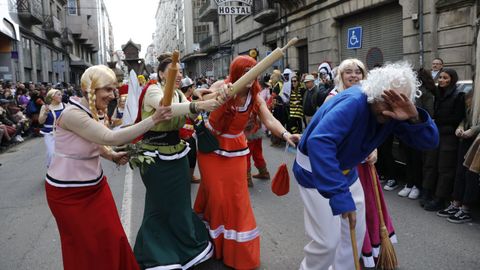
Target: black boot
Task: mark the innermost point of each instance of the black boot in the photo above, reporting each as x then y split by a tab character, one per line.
426	197
434	205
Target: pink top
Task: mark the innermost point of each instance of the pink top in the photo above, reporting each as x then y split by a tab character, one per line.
76	161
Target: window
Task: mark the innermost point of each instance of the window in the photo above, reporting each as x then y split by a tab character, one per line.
72	7
27	52
38	56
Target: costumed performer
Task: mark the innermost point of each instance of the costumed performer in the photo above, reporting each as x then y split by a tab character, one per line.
171	235
343	132
48	116
77	191
351	72
223	199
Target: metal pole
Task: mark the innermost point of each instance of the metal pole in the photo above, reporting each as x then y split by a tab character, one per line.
420	36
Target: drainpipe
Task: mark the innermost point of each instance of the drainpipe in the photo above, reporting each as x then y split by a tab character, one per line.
420	26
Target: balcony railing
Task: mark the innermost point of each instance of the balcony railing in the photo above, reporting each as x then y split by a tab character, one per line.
67	38
208	12
30	11
52	26
209	42
264	12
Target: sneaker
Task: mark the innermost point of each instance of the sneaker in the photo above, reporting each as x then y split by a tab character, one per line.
17	138
404	192
460	217
451	210
391	185
414	194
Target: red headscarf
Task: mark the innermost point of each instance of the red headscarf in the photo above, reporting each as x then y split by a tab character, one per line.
239	66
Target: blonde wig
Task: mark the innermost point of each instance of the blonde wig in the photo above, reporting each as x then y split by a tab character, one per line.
398	76
348	63
93	78
50	94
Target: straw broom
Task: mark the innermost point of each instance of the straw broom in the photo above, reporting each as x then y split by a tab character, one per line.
353	239
387	259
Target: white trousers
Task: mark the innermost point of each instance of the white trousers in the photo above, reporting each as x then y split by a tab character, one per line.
50	144
330	246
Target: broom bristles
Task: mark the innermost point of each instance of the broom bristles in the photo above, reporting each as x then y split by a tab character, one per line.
387	259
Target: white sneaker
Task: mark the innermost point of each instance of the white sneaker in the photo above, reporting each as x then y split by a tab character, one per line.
18	138
414	194
391	185
405	191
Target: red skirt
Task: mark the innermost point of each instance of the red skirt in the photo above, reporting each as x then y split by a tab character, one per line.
224	203
91	233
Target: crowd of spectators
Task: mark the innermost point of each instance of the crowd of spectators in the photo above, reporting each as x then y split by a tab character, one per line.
20	106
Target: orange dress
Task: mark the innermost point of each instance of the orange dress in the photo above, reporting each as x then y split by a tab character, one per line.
223	200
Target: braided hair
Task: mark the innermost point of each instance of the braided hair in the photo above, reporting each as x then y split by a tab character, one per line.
93	78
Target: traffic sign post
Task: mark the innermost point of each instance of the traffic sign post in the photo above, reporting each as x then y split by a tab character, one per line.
354	37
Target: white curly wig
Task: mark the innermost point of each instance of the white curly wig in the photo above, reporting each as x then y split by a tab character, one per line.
398	76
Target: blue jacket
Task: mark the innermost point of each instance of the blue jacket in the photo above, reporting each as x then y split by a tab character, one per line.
342	133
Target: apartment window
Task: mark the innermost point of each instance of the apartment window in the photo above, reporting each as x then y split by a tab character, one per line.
38	56
27	52
72	7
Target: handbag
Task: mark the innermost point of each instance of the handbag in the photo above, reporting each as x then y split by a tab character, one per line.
281	180
206	141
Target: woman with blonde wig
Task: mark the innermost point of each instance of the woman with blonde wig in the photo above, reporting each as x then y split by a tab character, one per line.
49	113
77	191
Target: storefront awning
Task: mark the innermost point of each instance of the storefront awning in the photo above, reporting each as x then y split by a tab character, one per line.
10	29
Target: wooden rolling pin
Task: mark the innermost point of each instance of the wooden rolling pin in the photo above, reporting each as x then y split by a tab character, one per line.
171	78
260	67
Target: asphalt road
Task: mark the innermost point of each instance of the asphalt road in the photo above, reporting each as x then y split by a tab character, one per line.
29	238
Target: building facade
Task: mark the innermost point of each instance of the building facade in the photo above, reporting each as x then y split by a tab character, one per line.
416	30
56	40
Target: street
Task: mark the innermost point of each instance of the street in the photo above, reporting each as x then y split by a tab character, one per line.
29	238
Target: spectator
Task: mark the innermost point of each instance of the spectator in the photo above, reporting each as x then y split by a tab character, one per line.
414	157
11	127
22	97
326	76
295	120
117	114
466	188
2	92
440	164
437	66
315	75
33	111
310	98
279	110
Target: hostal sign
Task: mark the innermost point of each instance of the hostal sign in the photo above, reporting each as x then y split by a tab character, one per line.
224	9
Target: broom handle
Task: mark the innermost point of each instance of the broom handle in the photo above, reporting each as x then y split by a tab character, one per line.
373	172
353	239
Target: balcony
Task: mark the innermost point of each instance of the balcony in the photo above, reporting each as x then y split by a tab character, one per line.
52	26
209	43
208	12
67	37
30	11
263	12
78	25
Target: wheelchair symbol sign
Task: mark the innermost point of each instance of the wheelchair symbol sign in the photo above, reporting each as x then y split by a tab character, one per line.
354	38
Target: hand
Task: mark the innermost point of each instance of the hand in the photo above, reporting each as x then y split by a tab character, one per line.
401	107
199	93
162	114
208	105
120	158
459	132
223	93
467	134
47	108
292	139
352	218
372	158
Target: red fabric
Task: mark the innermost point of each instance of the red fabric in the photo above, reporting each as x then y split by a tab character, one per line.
10	130
123	90
223	200
256	151
281	181
91	234
186	132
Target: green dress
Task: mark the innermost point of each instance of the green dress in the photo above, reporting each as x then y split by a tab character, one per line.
171	235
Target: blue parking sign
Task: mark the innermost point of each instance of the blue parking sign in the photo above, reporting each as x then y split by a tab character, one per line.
354	38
